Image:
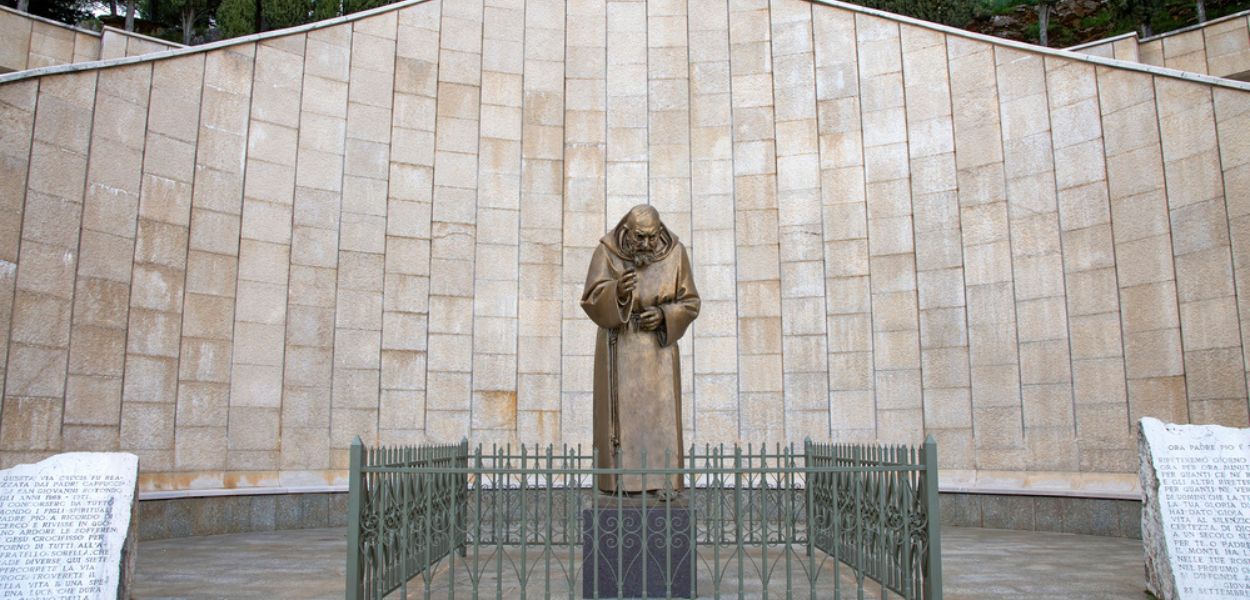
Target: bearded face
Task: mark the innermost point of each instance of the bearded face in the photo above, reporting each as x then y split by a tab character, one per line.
641	243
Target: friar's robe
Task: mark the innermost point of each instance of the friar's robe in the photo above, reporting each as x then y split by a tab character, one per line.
647	363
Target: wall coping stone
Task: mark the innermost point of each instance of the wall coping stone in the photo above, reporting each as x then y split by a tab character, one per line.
1196	26
146	38
1101	41
48	21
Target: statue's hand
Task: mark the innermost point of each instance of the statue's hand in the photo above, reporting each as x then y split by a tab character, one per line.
651	318
625	285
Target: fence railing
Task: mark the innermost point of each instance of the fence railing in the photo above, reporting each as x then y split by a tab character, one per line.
821	521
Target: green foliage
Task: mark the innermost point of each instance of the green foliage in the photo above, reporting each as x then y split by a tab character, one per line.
955	13
236	18
65	11
351	6
326	9
997	7
279	14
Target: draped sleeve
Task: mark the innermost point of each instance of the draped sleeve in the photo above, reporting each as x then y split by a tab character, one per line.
599	296
682	310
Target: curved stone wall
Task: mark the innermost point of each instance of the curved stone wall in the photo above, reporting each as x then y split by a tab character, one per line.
233	260
31	42
1219	47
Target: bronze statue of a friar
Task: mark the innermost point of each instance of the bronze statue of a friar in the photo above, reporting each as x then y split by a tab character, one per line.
641	293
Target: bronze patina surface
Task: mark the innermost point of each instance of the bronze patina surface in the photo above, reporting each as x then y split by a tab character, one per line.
641	293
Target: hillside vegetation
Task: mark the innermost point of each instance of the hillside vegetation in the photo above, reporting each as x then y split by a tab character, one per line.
1071	22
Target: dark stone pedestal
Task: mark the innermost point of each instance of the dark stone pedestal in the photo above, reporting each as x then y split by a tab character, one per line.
623	534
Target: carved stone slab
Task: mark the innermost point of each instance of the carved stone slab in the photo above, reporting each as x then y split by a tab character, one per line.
68	526
1195	518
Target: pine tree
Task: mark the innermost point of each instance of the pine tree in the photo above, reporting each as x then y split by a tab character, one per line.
236	17
280	14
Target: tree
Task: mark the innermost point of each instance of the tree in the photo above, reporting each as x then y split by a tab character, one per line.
66	11
130	15
187	13
1201	7
955	13
326	9
285	13
1141	11
236	17
1043	8
351	6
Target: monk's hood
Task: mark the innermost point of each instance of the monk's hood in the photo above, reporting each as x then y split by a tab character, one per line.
613	240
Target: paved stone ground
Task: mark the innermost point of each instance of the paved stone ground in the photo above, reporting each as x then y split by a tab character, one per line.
978	563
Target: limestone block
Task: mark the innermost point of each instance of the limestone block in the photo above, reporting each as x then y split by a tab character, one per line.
261	302
305	448
1208	324
254	428
1001	426
31	424
200	448
313	286
39	319
64	119
1095	336
1124	131
1193	179
208	316
92	400
1199	226
948	408
1038	276
852	410
1213	374
943	327
255	385
1098	382
97	351
1163	396
1045	362
896	350
1149	306
945	368
89	438
306	407
205	360
1153	354
153	333
1139	217
1204	274
1145	261
940	288
18	31
57	171
258	343
147	426
278	81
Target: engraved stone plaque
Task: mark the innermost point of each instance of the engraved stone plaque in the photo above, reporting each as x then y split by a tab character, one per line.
1195	483
68	527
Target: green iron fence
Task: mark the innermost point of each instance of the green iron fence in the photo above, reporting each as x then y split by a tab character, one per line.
821	521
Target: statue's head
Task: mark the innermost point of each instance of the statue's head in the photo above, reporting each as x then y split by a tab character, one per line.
641	234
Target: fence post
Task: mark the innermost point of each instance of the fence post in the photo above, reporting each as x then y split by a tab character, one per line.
933	579
462	523
355	483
